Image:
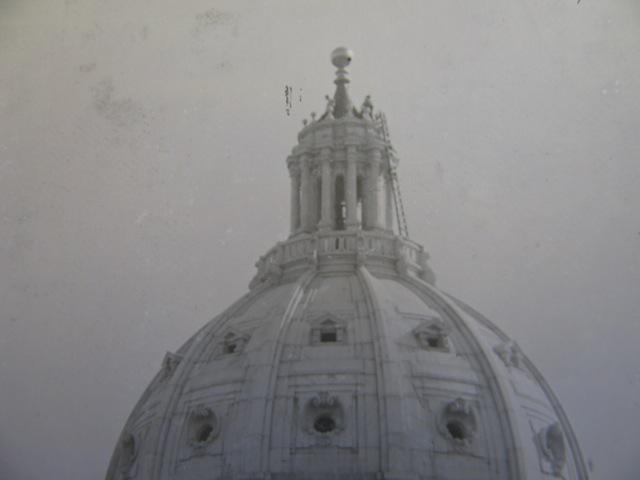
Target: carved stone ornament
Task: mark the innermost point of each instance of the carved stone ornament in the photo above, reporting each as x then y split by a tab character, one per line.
128	453
509	353
402	262
458	423
402	266
551	443
269	273
169	365
426	273
323	417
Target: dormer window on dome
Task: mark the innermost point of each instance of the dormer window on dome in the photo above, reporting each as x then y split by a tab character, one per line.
232	342
432	335
328	331
203	427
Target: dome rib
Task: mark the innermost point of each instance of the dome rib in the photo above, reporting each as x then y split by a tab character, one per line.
197	344
542	382
500	391
380	354
301	292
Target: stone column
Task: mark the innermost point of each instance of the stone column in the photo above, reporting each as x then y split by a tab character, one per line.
295	199
351	189
305	193
388	197
325	212
373	217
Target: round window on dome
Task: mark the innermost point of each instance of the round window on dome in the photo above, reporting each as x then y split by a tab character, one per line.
204	433
456	430
324	424
204	427
458	423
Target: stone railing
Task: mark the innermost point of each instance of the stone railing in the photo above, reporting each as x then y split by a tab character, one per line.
357	247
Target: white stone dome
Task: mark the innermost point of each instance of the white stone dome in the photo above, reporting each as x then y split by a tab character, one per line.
344	360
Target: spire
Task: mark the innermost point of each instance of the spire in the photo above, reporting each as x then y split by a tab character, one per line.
341	58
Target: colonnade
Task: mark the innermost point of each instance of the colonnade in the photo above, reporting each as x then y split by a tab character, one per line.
368	196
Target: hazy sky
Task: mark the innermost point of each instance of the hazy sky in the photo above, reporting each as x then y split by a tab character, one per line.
142	173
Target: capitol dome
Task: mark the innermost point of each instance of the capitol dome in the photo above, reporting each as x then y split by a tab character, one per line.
344	360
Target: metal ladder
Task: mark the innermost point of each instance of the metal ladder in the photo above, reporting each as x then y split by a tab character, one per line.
403	230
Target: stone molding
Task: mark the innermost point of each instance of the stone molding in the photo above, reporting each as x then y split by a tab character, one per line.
357	247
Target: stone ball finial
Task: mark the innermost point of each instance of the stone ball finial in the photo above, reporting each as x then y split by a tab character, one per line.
341	57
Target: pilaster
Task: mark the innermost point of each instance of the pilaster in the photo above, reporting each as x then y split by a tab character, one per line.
388	198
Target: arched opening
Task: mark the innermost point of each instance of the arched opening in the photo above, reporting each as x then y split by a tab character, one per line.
361	205
295	208
340	204
318	200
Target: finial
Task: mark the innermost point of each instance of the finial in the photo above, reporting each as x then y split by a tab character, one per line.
341	57
304	122
313	117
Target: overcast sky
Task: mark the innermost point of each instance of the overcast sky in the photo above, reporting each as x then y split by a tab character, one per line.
142	173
